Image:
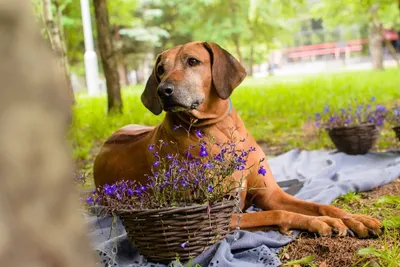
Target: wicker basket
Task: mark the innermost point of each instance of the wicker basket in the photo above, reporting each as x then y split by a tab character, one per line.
354	140
158	234
397	131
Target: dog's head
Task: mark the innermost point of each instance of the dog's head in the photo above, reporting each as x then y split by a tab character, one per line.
190	76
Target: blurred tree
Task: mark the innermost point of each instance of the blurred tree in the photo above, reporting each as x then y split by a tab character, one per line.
108	57
377	14
245	27
55	34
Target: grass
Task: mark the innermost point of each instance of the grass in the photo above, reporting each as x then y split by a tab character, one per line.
274	109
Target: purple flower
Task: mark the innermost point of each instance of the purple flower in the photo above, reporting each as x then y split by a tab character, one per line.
199	133
143	188
252	148
373	99
208	165
210	188
89	200
183	183
188	155
176	127
219	157
262	170
130	192
326	109
119	196
157	163
240	168
331	119
151	147
109	190
183	245
203	152
380	108
169	156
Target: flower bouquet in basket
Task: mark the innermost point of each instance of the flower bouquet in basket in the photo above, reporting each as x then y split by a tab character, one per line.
355	129
394	119
187	203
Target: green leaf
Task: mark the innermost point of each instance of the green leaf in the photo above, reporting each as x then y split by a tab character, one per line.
304	260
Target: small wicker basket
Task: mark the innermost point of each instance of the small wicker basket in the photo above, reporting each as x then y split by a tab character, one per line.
354	140
397	131
161	234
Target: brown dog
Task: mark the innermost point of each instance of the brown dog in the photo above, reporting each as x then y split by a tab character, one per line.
195	81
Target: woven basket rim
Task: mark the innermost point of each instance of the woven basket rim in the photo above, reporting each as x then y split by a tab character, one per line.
225	202
362	125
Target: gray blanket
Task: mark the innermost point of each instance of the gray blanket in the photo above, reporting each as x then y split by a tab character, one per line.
319	176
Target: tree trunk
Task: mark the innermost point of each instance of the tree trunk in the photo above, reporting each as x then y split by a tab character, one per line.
108	57
376	46
123	76
251	61
40	222
235	36
54	32
237	48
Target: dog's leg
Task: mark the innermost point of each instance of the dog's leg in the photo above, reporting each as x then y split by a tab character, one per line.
268	195
363	226
285	221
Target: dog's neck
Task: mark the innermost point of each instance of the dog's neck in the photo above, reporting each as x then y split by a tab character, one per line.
197	118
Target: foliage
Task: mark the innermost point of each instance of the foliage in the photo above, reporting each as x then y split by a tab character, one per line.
355	114
177	180
347	12
240	24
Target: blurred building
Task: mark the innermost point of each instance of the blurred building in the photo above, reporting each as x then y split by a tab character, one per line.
313	42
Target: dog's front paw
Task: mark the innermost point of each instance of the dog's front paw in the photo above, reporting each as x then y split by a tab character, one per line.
363	226
327	226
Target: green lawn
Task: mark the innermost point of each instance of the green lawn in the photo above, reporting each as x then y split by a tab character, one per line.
274	109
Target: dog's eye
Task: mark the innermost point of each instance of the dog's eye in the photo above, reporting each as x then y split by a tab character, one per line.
193	62
160	70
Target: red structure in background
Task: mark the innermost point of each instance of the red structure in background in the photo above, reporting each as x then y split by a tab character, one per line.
335	48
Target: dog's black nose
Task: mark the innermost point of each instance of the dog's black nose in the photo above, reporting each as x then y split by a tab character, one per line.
165	90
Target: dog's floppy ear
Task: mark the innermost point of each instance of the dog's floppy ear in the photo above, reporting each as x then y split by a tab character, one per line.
227	72
149	96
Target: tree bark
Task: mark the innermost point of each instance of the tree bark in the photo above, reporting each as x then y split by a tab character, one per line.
108	57
375	39
376	46
237	48
40	224
54	32
251	61
123	77
235	36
